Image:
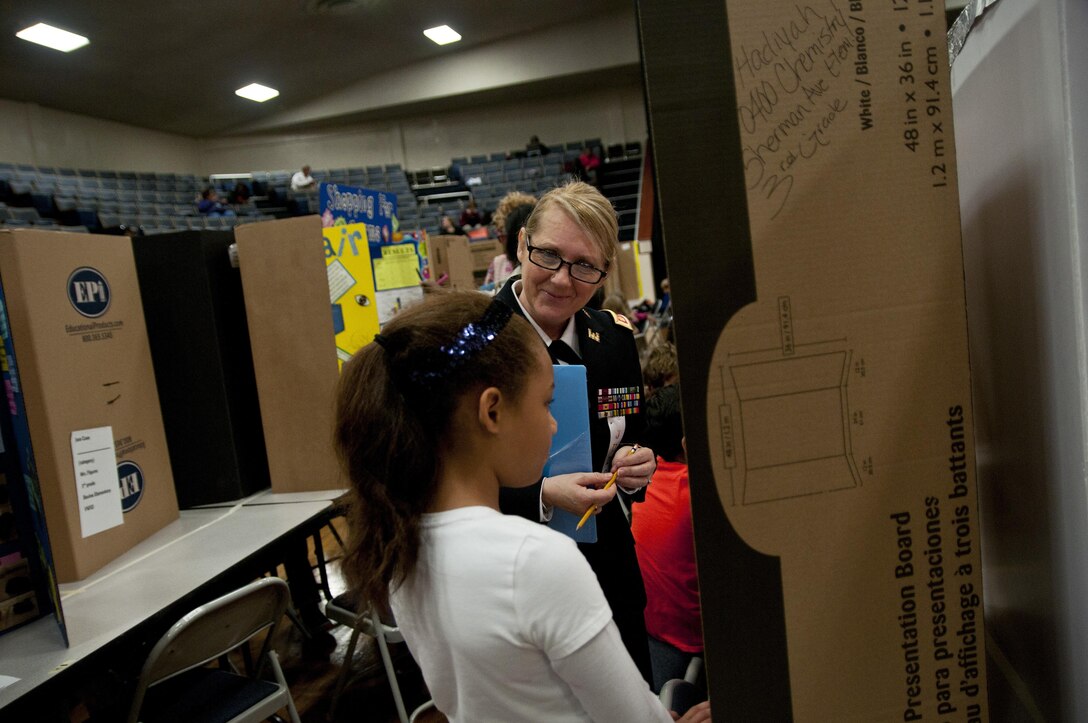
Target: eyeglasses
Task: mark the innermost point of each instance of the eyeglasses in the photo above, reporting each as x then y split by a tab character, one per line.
552	261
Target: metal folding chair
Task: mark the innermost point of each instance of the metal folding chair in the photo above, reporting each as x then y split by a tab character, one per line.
175	683
342	609
680	694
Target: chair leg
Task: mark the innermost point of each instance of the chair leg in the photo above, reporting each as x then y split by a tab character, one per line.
345	673
336	535
277	671
390	671
695	669
323	574
420	710
297	620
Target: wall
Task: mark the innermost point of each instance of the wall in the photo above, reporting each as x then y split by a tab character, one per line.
615	115
1021	115
44	137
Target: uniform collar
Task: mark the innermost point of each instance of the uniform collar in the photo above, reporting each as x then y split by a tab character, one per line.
569	335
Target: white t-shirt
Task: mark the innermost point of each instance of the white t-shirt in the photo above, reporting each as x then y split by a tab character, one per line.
508	623
301	182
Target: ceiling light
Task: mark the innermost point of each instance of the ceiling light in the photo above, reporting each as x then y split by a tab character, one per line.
442	35
257	92
54	38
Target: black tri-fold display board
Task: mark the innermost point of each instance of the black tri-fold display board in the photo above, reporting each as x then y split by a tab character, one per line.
196	324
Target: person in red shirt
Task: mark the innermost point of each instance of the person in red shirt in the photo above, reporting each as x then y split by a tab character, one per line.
665	546
588	163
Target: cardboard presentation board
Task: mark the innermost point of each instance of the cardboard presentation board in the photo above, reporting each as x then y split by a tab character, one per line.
822	339
623	276
294	353
451	256
82	396
196	321
484	252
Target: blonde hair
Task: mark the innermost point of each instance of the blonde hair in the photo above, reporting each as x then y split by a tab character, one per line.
507	204
585	205
615	302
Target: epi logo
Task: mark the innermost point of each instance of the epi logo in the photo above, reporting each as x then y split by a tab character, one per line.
131	478
89	292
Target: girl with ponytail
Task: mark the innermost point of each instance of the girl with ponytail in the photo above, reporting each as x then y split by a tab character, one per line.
504	616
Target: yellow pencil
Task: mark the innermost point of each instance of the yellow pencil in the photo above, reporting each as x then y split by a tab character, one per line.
611	481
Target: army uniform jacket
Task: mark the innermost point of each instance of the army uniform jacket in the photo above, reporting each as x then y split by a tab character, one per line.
614	382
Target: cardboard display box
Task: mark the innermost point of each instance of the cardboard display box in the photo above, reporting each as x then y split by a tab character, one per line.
452	256
291	334
822	339
484	252
196	321
78	360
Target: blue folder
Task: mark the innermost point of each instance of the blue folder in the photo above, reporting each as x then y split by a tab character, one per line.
571	451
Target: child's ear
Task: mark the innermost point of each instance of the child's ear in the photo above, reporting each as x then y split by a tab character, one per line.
489	409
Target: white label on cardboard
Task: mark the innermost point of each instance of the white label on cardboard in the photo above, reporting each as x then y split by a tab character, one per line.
97	486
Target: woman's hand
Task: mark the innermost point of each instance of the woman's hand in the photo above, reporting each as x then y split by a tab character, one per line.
636	465
696	714
577	492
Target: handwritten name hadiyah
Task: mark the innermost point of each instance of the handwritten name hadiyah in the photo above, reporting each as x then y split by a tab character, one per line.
788	93
808	46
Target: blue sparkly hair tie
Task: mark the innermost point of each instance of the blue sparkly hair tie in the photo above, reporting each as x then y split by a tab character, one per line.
469	341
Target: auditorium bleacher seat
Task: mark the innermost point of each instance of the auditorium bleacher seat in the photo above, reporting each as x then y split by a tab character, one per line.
110	198
29	215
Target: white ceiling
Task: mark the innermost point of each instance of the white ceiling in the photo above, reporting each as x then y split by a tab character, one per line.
173	65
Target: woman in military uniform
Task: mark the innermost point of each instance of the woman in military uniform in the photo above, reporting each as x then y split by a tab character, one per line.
566	247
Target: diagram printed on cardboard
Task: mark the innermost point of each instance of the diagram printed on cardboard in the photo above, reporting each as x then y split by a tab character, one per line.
786	425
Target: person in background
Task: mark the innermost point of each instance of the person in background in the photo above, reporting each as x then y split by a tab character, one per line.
566	247
448	406
664	541
506	204
505	264
240	194
470	216
535	148
659	321
661	367
303	181
211	206
615	303
446	227
588	163
664	301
